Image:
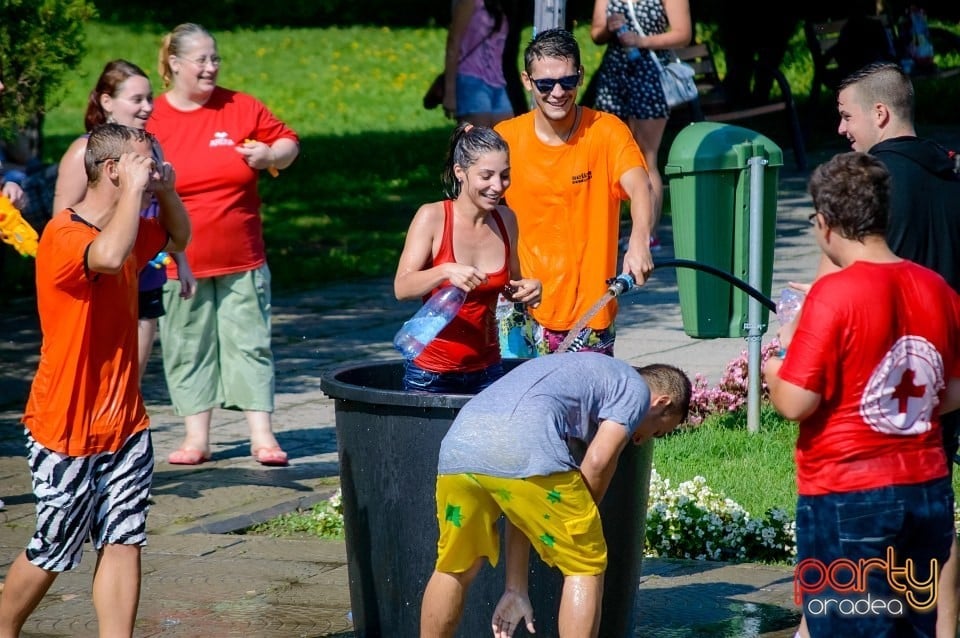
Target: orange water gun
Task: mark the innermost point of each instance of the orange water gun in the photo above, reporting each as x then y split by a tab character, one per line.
15	230
270	169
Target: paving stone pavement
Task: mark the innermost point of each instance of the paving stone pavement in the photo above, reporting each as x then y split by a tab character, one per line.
203	579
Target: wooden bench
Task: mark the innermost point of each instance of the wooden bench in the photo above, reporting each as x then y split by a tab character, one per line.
713	105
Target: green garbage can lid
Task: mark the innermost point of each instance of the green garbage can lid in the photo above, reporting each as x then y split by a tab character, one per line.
714	146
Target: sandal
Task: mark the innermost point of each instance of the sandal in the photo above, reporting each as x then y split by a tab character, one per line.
271	456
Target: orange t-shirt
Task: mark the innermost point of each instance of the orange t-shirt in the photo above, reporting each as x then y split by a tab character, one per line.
567	201
85	398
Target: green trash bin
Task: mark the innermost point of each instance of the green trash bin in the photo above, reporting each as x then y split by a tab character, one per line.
708	172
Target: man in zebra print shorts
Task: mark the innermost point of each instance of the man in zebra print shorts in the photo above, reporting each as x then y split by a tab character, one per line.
88	442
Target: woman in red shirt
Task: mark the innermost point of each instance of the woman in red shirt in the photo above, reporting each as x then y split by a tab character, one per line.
216	345
467	241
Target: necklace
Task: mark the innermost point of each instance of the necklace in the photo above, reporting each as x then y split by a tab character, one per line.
576	123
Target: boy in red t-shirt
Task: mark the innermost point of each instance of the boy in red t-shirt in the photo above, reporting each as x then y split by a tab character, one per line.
871	367
88	445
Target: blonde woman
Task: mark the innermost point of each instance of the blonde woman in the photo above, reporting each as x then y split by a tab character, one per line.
216	345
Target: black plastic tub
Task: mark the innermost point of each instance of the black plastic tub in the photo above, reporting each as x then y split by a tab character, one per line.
388	442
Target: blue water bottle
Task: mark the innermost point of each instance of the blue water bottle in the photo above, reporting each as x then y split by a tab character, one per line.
433	316
633	53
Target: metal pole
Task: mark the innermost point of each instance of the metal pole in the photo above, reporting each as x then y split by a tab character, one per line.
755	277
549	14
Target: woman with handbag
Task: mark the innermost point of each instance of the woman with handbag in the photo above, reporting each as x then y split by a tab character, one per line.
475	89
628	80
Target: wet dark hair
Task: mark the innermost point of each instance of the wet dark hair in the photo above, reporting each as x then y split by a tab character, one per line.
671	381
883	82
467	144
114	73
852	192
552	43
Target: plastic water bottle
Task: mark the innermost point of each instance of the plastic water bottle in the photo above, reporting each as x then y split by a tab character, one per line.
633	53
789	305
504	307
433	316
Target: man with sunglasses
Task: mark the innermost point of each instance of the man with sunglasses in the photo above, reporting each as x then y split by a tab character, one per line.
571	167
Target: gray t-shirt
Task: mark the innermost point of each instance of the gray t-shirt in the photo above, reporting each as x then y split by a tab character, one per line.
532	420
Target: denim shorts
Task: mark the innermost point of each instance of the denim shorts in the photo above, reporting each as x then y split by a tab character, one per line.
887	526
416	378
476	96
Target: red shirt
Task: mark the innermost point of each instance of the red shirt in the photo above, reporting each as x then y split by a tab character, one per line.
877	342
471	341
217	187
85	398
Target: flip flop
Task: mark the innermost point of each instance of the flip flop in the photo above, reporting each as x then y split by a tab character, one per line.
185	456
271	456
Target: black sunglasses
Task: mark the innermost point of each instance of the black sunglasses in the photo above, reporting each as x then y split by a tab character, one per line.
812	218
568	83
101	161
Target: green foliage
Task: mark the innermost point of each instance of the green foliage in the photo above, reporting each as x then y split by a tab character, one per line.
249	13
40	42
696	521
755	469
323	520
371	155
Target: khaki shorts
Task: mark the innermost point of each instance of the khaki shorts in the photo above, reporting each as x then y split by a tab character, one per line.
555	512
216	345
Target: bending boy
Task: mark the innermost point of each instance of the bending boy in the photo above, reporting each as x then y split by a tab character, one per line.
867	369
517	449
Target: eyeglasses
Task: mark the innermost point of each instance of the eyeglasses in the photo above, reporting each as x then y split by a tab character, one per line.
214	60
101	161
812	218
567	83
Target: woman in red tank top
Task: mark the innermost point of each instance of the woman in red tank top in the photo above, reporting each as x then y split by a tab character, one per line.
466	241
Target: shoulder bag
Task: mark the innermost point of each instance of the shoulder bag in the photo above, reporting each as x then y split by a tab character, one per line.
676	78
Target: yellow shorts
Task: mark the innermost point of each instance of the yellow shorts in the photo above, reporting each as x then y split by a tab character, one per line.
555	512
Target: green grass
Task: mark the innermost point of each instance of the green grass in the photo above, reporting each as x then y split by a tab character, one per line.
370	153
754	469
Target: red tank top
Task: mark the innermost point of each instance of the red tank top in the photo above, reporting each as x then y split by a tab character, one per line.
470	342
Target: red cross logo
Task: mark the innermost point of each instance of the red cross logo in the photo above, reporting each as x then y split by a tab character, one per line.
906	389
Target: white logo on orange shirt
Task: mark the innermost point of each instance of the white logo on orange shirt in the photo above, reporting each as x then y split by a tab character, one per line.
902	392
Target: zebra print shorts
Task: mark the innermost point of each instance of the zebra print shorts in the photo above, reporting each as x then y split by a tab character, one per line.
101	498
